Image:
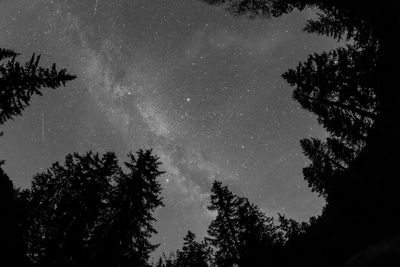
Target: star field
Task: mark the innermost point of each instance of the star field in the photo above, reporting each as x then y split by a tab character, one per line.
200	87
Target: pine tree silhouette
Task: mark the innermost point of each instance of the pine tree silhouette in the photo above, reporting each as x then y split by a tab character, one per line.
223	230
12	249
193	253
240	233
89	212
350	89
19	83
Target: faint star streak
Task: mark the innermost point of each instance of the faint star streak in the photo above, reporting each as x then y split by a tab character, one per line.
95	7
43	127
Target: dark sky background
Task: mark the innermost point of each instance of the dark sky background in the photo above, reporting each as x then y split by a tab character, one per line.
199	86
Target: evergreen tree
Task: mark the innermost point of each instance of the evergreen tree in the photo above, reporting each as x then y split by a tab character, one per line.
223	230
19	83
135	198
292	229
193	253
259	238
89	212
327	159
12	250
240	233
350	90
339	88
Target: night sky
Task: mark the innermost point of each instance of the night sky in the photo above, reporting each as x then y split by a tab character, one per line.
199	86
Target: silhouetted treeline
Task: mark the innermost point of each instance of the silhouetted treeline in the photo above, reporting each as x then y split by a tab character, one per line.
17	85
353	92
91	212
240	235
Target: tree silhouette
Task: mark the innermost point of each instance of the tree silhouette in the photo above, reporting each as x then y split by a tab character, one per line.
193	254
223	229
350	89
135	198
259	8
90	212
12	249
260	240
327	159
339	88
240	233
19	83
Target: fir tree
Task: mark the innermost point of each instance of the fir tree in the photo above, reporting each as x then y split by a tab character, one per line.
223	230
241	234
193	253
18	83
12	249
90	212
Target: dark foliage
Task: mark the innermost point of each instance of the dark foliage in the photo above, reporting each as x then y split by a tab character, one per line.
241	234
258	8
12	251
193	253
352	92
19	83
89	212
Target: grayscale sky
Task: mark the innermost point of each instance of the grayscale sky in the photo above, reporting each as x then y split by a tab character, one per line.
199	86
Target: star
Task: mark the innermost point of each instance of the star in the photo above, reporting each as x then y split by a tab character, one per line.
221	111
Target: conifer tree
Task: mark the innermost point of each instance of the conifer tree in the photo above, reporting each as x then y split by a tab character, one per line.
259	238
18	83
12	249
223	230
135	198
193	253
241	234
327	159
350	89
89	212
338	86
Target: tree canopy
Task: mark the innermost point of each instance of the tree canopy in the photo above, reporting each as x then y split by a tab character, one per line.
351	90
90	212
18	83
240	234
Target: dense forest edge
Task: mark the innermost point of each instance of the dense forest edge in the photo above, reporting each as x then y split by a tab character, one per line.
90	211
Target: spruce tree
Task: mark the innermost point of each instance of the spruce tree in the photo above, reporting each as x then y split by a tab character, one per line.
134	199
352	91
12	248
223	230
241	234
19	82
90	212
193	253
17	85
